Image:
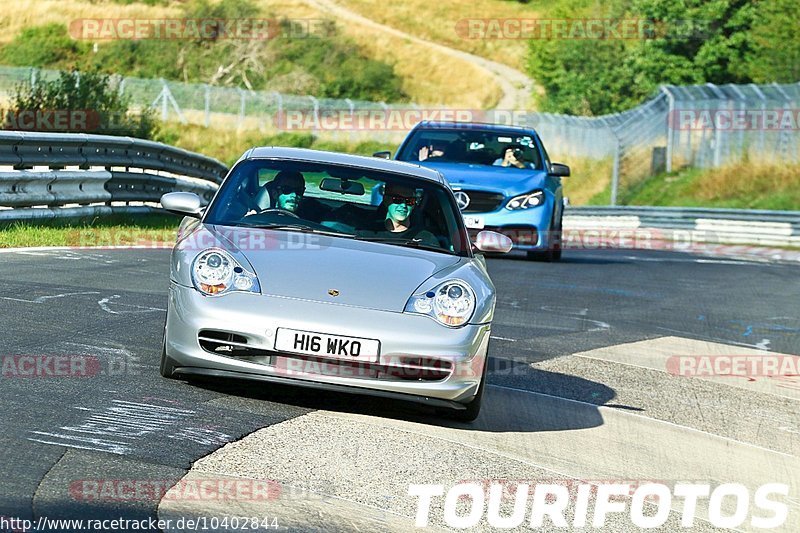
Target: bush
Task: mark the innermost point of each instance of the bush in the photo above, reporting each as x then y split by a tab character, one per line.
43	46
105	110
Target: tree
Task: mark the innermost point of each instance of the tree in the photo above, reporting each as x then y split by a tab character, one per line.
90	102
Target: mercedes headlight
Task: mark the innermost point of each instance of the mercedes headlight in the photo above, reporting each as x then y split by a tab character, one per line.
451	303
526	201
216	272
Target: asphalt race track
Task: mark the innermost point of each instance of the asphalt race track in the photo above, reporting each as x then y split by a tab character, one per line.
580	389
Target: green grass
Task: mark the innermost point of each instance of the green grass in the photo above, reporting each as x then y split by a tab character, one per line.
115	230
741	186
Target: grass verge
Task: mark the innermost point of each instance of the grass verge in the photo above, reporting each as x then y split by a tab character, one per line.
744	185
115	230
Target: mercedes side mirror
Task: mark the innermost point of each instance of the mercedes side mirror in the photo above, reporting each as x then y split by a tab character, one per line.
559	169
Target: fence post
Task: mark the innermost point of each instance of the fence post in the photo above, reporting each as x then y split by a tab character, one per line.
315	103
761	128
670	124
164	102
615	170
280	119
242	96
352	118
386	134
207	105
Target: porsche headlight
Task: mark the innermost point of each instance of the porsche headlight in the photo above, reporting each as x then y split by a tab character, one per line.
215	272
526	201
451	303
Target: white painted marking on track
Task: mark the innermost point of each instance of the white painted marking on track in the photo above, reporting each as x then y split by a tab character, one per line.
577	313
763	345
709	338
105	303
502	338
115	428
43	299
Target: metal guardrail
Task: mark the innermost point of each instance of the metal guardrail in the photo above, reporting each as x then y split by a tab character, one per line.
60	174
54	175
710	225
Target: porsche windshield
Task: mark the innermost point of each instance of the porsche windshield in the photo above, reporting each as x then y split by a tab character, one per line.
512	149
342	201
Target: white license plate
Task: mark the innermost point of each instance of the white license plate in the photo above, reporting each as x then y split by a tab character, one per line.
325	345
473	222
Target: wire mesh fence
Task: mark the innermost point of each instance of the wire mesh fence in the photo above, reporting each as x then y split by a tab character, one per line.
703	126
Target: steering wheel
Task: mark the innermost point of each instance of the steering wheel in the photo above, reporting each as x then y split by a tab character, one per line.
277	210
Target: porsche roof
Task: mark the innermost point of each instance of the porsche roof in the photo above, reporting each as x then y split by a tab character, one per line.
336	158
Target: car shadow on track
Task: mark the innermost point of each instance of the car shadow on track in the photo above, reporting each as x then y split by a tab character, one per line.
517	398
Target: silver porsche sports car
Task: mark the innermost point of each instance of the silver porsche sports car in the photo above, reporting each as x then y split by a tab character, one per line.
332	271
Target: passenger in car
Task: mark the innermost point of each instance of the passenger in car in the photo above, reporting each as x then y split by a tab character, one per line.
513	156
399	202
431	151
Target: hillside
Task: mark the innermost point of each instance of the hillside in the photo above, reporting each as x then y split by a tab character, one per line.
369	63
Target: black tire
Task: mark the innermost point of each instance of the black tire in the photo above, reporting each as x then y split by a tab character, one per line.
553	252
168	364
473	408
546	256
557	241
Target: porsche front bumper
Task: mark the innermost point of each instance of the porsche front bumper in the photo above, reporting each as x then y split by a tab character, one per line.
234	335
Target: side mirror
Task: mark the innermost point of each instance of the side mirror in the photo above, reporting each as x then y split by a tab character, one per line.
385	154
493	242
182	203
558	169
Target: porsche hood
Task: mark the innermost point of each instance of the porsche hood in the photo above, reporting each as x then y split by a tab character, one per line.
316	267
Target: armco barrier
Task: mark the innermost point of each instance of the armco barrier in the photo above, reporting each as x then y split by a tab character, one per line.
61	174
50	175
711	225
